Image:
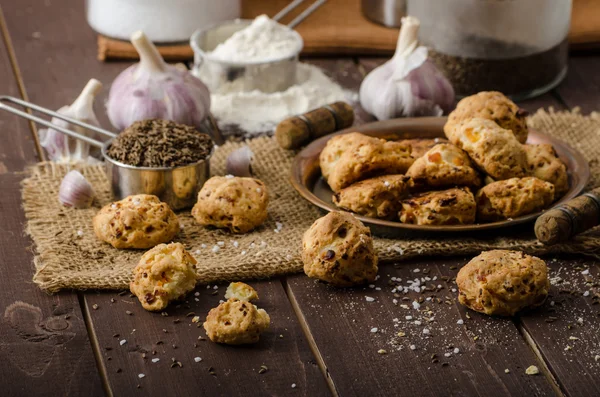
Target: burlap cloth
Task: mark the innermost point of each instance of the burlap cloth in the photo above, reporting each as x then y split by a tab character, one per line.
68	255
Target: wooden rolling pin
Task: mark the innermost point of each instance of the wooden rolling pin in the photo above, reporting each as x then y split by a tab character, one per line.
569	219
297	131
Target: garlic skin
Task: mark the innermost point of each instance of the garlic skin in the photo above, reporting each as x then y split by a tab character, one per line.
75	191
407	85
154	89
62	148
239	162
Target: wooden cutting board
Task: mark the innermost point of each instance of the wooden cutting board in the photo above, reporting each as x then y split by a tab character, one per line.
338	28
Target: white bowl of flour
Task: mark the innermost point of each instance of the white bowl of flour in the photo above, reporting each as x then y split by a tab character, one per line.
247	55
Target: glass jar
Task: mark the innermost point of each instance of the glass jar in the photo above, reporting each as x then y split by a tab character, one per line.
518	47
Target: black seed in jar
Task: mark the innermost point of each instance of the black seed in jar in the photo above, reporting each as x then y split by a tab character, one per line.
160	143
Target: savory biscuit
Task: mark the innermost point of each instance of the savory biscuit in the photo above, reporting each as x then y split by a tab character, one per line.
376	197
418	147
348	158
543	163
234	203
503	282
444	165
140	221
338	249
448	207
241	291
490	105
164	274
512	198
236	322
494	149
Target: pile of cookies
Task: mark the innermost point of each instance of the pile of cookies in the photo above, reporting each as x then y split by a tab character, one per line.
483	172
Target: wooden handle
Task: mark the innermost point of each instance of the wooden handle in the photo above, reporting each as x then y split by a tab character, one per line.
567	220
296	131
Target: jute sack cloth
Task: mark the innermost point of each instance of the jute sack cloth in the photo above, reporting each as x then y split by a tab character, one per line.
68	254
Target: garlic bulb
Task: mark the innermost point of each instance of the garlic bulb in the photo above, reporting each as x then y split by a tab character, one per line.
239	162
75	191
62	148
408	84
154	89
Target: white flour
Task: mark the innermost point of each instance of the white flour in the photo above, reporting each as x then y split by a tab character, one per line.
262	40
258	112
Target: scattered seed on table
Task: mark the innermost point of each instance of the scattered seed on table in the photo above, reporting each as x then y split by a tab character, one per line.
263	369
532	370
95	306
129	313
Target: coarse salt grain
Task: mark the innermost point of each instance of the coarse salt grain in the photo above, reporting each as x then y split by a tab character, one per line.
456	350
221	243
447	354
113	206
460	322
215	248
80	233
395	301
586	293
122	342
141	376
386	183
369	299
417	322
413	347
243	252
196	293
197	359
426	331
229	176
216	287
374	330
416	305
408	317
417	270
293	385
155	360
202	245
586	272
197	252
236	244
580	321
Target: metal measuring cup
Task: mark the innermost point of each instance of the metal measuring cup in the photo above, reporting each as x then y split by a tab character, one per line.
176	186
270	75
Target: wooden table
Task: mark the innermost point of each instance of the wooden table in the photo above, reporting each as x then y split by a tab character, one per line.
322	340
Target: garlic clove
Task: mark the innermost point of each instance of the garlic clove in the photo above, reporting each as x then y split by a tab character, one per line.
75	191
239	162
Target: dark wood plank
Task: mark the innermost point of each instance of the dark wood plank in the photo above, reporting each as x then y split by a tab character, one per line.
44	348
18	147
349	332
565	329
581	87
282	349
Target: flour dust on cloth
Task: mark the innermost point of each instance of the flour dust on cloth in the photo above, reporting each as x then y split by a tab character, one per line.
68	255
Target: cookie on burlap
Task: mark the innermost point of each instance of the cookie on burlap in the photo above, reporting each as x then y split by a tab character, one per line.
349	158
234	203
140	221
448	207
165	273
544	164
241	291
490	105
502	282
494	149
444	165
513	198
236	322
376	197
338	249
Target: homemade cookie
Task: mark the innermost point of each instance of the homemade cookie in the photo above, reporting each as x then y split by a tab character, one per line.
348	158
490	105
544	164
140	221
338	249
164	274
494	149
376	197
513	198
448	207
502	282
241	291
236	322
444	165
234	203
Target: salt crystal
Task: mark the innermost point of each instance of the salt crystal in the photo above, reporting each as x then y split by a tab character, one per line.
228	176
597	357
202	245
417	270
453	289
197	252
371	285
586	272
447	354
506	371
416	305
80	233
197	300
197	359
460	322
279	225
456	350
552	303
122	342
155	360
408	317
221	243
395	301
216	287
369	299
586	293
236	244
141	376
413	347
243	252
386	183
196	293
113	206
215	248
373	330
263	244
580	321
417	322
426	331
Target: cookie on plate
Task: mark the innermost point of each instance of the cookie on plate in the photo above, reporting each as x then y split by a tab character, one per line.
513	198
502	282
544	164
377	197
236	322
490	105
448	207
140	221
444	165
338	249
165	273
494	149
349	158
234	203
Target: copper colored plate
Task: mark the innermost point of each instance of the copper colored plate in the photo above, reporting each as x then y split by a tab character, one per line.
307	180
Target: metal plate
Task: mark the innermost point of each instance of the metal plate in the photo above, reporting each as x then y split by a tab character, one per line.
307	180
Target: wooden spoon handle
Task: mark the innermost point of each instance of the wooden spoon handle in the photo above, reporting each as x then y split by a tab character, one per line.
569	219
